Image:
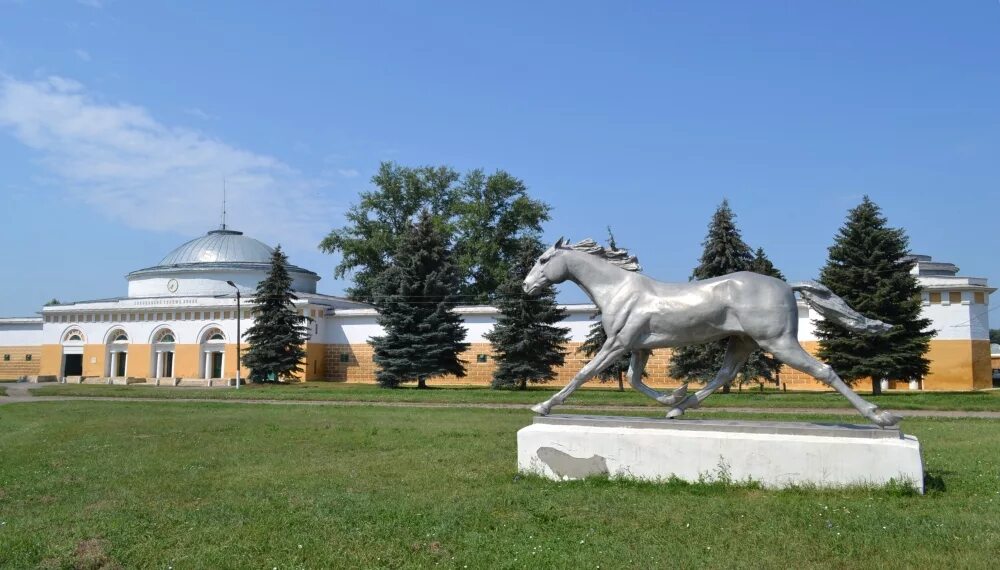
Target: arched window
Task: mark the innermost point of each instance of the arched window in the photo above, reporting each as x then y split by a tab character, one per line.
164	336
118	336
73	335
213	334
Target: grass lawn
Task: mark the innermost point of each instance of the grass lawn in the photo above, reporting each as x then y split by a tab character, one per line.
206	485
973	401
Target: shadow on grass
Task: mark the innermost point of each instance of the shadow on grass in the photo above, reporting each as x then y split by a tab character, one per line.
934	481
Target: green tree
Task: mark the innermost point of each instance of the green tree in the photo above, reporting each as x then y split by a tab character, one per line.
482	217
994	336
423	334
868	268
527	344
724	252
377	224
494	216
275	340
53	302
596	337
762	264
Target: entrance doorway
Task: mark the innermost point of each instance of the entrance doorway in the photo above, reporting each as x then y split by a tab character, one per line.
215	364
168	364
119	364
72	365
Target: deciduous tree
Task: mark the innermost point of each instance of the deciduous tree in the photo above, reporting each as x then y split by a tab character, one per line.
483	217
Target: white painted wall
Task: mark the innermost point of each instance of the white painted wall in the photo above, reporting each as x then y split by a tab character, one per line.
20	332
958	321
200	283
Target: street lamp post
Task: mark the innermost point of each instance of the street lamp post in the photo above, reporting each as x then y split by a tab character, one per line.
239	337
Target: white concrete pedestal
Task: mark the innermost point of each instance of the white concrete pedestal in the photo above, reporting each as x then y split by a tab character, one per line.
774	454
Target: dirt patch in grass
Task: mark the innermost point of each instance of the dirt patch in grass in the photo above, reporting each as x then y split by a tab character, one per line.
91	554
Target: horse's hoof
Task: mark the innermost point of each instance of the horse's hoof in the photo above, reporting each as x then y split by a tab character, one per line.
540	409
675	413
885	419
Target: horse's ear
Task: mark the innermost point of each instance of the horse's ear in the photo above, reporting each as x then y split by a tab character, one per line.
559	243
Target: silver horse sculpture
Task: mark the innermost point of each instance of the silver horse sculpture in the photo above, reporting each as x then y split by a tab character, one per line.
639	314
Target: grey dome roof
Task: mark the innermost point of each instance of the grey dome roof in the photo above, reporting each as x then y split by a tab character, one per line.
220	246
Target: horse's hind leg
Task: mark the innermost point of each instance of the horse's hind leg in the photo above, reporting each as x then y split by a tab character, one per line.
737	352
788	350
635	369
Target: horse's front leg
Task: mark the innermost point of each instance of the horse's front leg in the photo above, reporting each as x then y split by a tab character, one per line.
611	350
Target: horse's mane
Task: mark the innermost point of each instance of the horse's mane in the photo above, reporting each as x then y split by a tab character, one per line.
618	257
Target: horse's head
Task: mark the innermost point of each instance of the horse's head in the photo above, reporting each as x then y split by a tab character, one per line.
550	268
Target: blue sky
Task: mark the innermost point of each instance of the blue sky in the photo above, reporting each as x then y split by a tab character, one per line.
119	120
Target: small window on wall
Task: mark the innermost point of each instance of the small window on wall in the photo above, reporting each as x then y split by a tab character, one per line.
6	358
934	297
344	357
955	297
481	358
27	358
979	297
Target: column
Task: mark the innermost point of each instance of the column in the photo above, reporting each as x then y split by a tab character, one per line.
159	364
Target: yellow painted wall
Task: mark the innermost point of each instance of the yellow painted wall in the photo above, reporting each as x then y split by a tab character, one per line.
315	364
93	360
139	361
958	365
982	368
230	371
18	365
51	360
186	361
955	365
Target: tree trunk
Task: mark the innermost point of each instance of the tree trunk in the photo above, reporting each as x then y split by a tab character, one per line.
523	385
421	383
726	389
876	387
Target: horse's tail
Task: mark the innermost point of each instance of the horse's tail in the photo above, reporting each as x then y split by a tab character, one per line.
835	309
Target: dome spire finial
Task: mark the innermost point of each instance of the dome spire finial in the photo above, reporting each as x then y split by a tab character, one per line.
223	203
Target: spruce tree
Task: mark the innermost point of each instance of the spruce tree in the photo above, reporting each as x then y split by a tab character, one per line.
596	338
526	343
868	268
276	338
724	252
423	334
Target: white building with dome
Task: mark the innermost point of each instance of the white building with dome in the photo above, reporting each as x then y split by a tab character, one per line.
177	326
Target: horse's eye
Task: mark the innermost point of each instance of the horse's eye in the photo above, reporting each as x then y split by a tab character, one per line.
543	260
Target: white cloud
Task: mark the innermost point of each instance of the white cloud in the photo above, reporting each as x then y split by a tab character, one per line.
133	169
201	114
83	54
348	172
